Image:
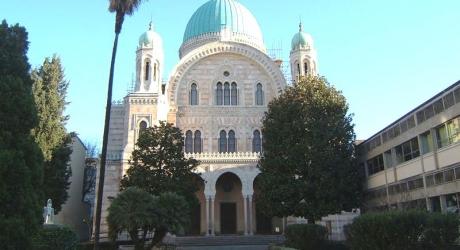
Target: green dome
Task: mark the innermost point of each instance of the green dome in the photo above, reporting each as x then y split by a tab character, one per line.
301	39
149	37
217	15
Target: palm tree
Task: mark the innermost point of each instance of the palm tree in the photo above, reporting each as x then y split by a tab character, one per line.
121	8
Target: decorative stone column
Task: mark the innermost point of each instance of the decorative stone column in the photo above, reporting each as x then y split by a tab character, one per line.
212	215
245	200
251	231
208	230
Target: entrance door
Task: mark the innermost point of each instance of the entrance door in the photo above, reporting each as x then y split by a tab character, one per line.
228	218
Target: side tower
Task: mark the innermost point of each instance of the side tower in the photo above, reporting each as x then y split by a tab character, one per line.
149	62
303	59
139	110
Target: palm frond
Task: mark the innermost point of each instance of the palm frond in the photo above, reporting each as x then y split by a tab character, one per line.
127	7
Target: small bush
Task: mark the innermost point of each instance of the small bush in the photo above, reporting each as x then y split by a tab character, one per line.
306	236
55	237
102	246
403	230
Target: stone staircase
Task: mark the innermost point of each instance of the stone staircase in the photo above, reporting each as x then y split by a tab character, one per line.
225	242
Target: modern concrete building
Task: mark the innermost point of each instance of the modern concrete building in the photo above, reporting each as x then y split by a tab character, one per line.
415	161
217	95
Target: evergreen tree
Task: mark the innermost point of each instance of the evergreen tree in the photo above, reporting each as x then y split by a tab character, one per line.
50	89
158	164
21	162
309	164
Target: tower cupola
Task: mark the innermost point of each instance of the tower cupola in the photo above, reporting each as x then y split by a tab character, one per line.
149	62
303	59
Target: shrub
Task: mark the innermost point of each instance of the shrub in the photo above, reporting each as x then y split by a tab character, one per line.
403	230
102	246
55	237
306	236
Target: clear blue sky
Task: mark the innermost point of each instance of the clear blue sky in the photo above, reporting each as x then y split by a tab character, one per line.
386	56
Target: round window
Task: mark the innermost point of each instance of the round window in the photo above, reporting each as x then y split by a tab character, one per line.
226	73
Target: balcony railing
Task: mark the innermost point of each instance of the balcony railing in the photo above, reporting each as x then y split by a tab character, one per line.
224	157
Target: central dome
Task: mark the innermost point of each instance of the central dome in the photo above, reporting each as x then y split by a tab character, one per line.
223	16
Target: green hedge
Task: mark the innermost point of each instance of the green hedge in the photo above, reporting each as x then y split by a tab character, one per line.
306	236
403	230
55	237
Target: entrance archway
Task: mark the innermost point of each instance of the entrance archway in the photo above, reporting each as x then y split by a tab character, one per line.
229	204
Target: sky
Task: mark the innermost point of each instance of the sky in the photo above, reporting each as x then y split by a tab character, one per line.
387	57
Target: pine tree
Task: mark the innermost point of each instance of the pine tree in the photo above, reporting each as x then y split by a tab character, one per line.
49	90
21	162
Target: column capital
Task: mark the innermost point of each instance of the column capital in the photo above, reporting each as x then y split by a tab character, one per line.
248	194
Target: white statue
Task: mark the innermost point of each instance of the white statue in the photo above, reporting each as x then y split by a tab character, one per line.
48	213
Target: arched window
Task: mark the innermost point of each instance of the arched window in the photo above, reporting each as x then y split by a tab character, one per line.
193	95
219	94
259	95
226	93
256	142
234	94
154	71
142	126
197	142
231	141
188	142
305	65
223	141
298	68
147	70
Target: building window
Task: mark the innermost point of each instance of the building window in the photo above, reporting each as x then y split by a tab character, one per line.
375	165
448	133
228	95
189	142
298	68
234	94
449	100
438	106
231	141
457	95
223	141
427	142
219	94
388	159
193	95
256	142
197	142
407	151
259	95
305	65
449	175
155	71
142	126
147	70
193	143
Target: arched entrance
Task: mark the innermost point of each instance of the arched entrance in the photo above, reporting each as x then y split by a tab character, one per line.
229	204
197	212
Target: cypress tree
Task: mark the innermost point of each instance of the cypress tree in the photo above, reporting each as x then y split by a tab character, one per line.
49	90
21	198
